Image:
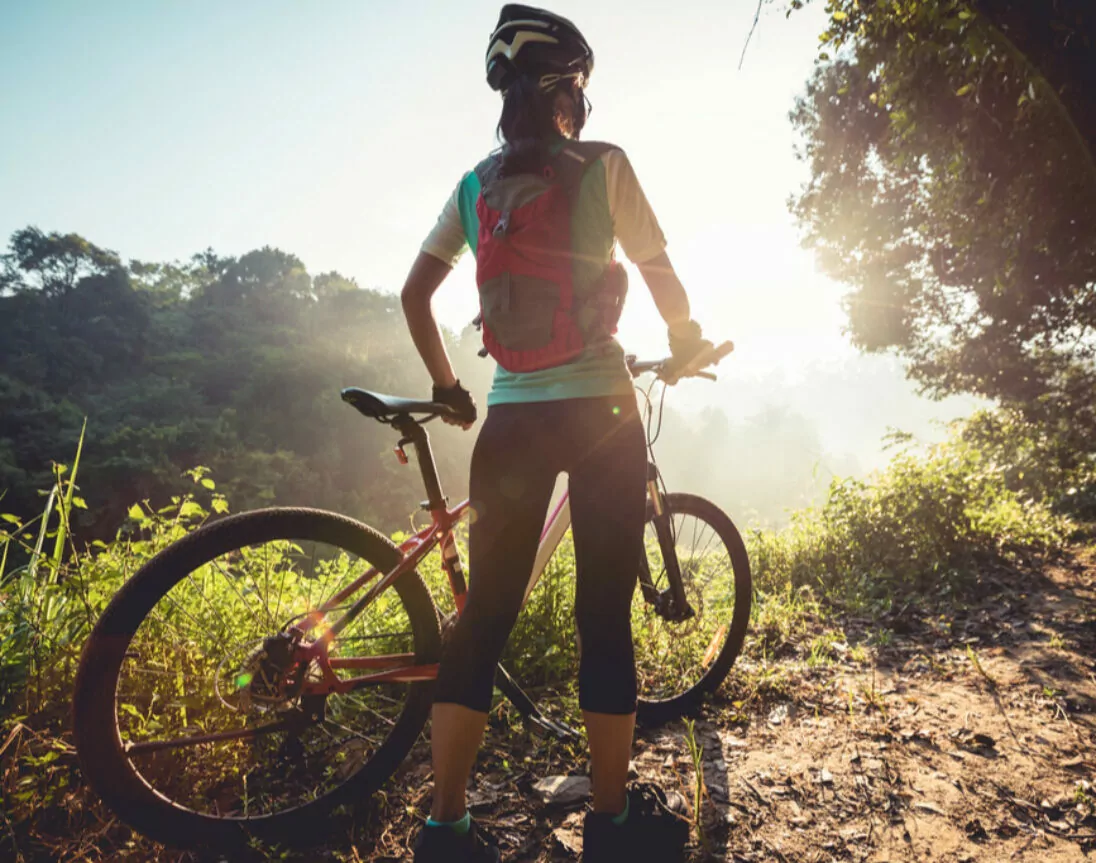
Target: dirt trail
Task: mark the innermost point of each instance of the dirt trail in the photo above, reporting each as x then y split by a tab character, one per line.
970	736
960	729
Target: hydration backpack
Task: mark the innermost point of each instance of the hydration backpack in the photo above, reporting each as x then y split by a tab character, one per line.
533	317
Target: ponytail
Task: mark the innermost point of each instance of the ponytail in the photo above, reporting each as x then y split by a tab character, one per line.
531	118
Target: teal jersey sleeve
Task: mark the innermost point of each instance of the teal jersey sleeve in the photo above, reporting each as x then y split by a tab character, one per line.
466	204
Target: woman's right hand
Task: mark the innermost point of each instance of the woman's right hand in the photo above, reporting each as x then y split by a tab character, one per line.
687	342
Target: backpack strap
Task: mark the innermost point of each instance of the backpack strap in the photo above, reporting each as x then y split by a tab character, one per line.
571	162
488	169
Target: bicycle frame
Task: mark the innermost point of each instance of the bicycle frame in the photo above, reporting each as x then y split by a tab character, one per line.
401	667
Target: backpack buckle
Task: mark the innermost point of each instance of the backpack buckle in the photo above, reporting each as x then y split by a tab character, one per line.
503	224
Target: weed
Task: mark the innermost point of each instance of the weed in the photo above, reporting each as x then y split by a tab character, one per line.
696	753
977	663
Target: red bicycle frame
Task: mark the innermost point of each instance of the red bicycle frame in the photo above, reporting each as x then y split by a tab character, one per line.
401	667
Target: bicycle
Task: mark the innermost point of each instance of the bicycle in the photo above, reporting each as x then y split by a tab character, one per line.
196	653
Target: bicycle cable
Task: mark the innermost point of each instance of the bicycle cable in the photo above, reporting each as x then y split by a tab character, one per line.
652	439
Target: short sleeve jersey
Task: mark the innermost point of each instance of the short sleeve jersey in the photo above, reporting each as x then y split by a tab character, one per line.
610	208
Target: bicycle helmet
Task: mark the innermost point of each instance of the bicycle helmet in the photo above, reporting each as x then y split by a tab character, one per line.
536	42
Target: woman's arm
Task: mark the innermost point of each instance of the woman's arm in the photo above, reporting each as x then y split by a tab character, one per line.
666	289
427	274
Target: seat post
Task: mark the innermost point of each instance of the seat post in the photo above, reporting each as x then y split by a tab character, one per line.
420	440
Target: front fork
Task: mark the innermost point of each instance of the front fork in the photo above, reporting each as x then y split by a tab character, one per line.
672	603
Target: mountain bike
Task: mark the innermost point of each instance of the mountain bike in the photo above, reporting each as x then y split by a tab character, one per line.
273	665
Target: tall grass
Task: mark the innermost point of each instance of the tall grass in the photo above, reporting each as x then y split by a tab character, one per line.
42	614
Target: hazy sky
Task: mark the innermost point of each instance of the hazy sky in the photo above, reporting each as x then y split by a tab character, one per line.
336	130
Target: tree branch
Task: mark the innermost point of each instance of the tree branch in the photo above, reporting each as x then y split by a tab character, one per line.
757	17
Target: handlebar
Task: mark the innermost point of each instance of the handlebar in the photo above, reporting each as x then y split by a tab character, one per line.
667	372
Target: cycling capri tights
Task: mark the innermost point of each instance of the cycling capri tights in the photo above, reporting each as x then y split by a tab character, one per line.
521	449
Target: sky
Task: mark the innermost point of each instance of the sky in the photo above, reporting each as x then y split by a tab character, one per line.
336	130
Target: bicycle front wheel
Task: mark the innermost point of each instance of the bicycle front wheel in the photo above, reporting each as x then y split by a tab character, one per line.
682	655
200	717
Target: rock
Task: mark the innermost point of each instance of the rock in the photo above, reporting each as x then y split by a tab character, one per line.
481	797
633	770
779	714
563	790
825	777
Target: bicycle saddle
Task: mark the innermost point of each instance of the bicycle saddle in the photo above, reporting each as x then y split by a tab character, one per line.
381	407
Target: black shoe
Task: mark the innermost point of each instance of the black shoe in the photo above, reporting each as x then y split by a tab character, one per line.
653	831
445	845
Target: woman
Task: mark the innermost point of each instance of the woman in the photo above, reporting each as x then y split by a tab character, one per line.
562	401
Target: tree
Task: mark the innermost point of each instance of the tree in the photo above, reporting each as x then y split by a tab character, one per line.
231	363
953	188
52	263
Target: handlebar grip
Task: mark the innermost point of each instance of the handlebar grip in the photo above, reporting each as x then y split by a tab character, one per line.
723	350
701	360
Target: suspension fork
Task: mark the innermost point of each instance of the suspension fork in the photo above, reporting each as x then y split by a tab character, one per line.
678	604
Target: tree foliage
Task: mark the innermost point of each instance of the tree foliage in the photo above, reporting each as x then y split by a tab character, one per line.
953	188
234	363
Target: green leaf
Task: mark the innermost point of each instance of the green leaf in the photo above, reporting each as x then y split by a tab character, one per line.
966	14
966	88
190	508
208	483
14	519
136	513
838	15
79	502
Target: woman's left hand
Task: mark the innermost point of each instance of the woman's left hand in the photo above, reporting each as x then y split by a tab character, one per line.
461	402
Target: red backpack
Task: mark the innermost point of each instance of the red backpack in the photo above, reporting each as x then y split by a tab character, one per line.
532	317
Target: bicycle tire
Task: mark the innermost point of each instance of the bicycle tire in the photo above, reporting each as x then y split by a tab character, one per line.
113	775
658	711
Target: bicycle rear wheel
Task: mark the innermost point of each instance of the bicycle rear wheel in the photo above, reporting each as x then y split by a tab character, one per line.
196	719
681	657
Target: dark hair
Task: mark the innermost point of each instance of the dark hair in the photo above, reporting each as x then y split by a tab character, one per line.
530	118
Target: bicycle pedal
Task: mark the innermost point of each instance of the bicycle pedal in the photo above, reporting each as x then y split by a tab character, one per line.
542	726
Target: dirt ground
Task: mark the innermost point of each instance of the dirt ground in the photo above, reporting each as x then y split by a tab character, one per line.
965	735
959	728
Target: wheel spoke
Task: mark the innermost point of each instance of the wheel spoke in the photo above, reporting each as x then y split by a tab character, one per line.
199	739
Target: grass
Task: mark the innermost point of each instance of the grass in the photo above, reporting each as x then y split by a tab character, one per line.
977	663
696	755
923	528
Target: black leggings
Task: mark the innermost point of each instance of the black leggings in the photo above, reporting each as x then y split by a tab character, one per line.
521	449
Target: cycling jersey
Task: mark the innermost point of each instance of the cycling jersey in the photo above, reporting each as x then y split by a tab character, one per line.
610	207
